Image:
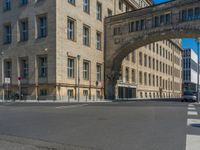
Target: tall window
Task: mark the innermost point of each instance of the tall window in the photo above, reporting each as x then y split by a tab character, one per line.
133	57
86	70
72	2
140	58
99	11
71	29
8	69
133	75
149	79
70	68
7	5
98	72
86	6
86	35
149	62
109	12
24	30
145	60
140	77
23	2
98	42
42	67
24	68
7	34
42	26
127	75
121	5
145	78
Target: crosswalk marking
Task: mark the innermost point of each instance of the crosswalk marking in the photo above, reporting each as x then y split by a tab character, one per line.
191	108
193	122
192	142
192	113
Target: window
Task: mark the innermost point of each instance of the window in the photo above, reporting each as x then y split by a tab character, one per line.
42	67
140	58
99	11
86	68
70	93
153	80
71	29
86	6
98	42
145	78
24	68
70	68
98	72
120	5
24	30
153	63
7	34
86	35
42	26
131	26
8	69
149	62
71	2
23	2
85	93
140	77
43	92
127	75
7	5
145	60
149	79
133	56
109	12
133	75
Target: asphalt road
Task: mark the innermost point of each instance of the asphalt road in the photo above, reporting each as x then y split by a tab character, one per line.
100	126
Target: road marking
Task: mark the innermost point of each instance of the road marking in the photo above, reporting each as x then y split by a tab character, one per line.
192	142
192	113
191	105
193	122
71	106
191	108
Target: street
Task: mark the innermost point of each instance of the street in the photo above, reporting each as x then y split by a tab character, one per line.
100	126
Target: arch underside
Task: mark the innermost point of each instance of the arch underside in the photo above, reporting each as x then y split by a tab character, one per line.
191	30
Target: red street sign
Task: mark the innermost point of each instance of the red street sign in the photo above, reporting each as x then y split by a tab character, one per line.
19	78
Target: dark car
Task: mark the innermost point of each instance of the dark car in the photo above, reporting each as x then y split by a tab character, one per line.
189	96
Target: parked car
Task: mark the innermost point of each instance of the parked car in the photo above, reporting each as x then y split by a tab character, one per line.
189	97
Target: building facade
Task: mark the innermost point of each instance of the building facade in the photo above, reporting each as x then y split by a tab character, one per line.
190	65
53	49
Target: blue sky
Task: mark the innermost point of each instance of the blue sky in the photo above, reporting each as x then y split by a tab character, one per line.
187	43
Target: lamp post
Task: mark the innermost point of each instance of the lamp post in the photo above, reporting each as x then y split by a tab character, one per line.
2	71
78	58
198	43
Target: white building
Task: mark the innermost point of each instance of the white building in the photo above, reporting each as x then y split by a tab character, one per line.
190	61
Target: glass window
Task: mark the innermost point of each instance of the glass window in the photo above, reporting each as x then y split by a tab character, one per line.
24	68
98	72
8	69
86	6
133	75
7	34
24	30
127	74
7	5
86	36
42	67
109	12
42	26
70	68
70	93
23	2
71	29
86	71
98	42
71	2
99	11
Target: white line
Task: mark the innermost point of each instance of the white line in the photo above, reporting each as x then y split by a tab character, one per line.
71	106
192	113
191	108
193	122
190	105
192	142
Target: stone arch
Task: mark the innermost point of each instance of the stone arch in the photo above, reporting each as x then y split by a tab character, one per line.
112	71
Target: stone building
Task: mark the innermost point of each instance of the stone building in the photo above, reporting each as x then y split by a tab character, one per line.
53	49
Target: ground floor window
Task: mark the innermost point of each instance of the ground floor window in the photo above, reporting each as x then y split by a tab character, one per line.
85	93
70	93
43	92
